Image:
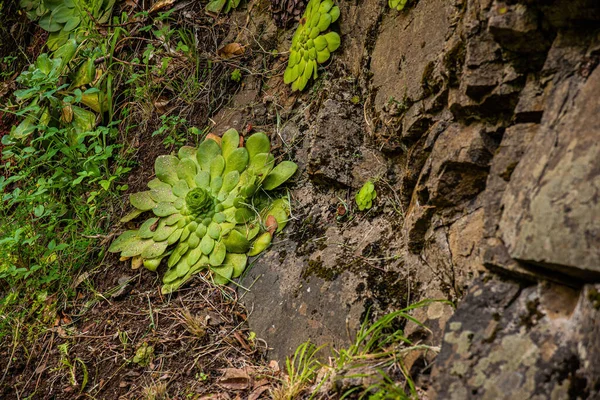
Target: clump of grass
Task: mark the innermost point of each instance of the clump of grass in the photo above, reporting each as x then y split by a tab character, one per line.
370	368
193	324
156	391
301	370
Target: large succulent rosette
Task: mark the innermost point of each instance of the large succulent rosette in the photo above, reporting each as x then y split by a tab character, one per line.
212	209
310	45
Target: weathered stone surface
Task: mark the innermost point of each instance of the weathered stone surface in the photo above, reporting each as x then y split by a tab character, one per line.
459	165
406	44
334	144
509	341
517	27
553	196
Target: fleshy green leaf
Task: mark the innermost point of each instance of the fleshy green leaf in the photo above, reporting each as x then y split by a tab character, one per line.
237	160
207	150
281	173
229	142
256	144
237	262
155	249
165	168
236	242
142	201
119	244
218	254
260	244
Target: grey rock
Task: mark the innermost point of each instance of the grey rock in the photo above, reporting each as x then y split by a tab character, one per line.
552	201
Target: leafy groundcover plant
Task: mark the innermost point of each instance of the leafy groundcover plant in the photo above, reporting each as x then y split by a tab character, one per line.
309	45
213	207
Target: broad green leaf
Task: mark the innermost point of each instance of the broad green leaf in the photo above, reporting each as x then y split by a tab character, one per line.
237	262
48	23
207	150
333	41
145	231
164	209
187	152
142	200
203	180
135	247
237	160
230	181
120	243
181	189
206	244
163	192
236	242
260	244
187	171
222	275
217	256
214	230
229	142
165	168
256	144
281	173
83	120
216	6
155	249
217	166
163	232
131	216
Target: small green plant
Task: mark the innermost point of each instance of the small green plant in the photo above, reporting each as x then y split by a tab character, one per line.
218	6
211	209
62	17
365	196
310	45
236	75
144	355
46	100
397	4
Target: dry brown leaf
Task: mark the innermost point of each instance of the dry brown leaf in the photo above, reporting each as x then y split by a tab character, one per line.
214	137
271	224
159	5
136	262
231	50
257	392
235	379
274	365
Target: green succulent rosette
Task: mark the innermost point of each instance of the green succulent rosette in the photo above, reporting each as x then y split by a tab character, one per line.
310	45
397	4
365	196
211	210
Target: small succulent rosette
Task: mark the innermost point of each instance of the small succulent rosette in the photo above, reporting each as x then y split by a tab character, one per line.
213	207
310	45
365	196
397	4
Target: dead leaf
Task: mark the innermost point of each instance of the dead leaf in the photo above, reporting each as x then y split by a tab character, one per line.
235	379
214	137
257	392
231	50
271	224
159	5
136	262
274	365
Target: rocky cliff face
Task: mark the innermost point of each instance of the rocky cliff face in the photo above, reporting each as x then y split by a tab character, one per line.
480	121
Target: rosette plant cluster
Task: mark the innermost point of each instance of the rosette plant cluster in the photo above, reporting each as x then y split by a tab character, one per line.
212	207
310	45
